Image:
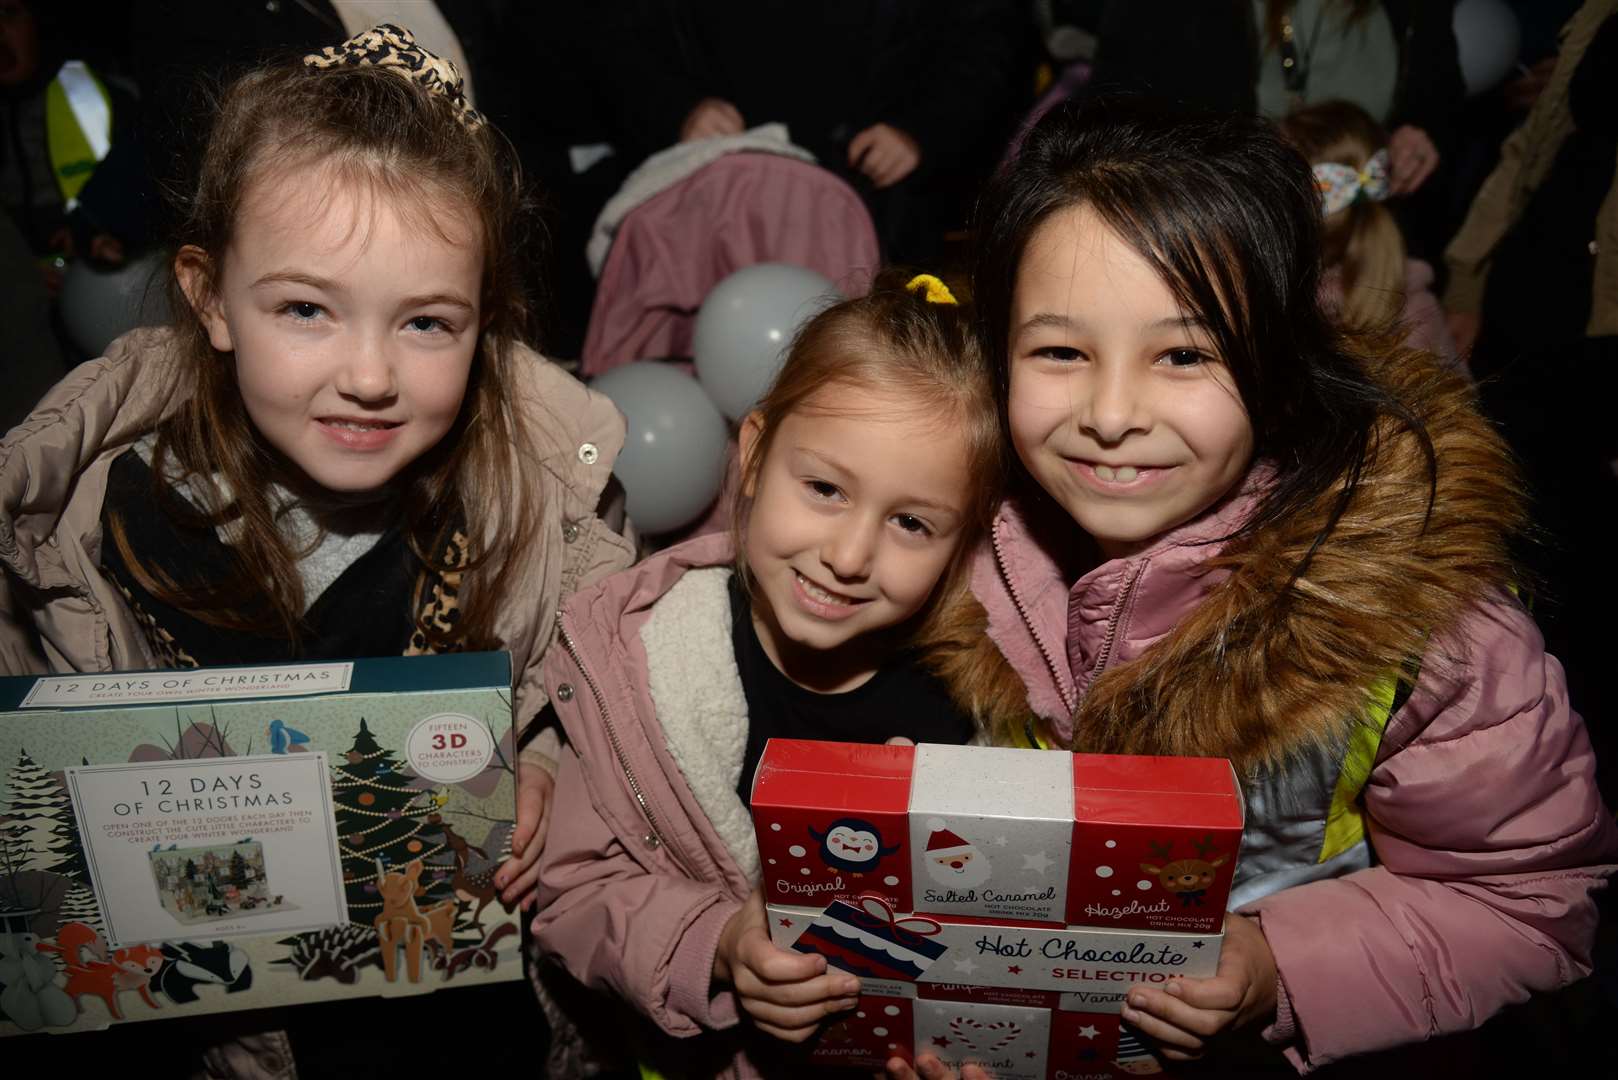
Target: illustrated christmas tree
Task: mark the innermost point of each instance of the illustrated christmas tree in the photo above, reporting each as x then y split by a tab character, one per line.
381	817
44	837
238	870
34	808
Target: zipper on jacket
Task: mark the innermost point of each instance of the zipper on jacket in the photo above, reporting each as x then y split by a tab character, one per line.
659	840
1117	617
1016	599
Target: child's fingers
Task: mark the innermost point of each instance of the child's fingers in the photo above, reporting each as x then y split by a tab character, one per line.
794	1018
1204	1023
931	1068
769	963
1168	1035
521	885
527	841
830	986
1219	993
787	1034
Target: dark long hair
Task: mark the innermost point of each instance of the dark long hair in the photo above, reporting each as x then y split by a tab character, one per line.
1227	213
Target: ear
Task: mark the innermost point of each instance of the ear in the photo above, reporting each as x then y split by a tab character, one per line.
748	437
1217	863
1150	869
198	277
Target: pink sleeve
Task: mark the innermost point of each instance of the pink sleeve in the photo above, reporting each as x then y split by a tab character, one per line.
1426	327
1491	839
618	926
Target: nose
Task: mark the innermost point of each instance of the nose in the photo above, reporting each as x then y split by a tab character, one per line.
1113	404
367	373
850	547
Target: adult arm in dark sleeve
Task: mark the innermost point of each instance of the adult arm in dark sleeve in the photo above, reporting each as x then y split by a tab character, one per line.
1430	92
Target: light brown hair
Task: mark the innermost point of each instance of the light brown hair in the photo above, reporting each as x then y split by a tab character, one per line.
397	141
893	341
1362	241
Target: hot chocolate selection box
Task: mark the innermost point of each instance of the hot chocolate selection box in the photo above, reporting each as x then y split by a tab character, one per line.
1154	842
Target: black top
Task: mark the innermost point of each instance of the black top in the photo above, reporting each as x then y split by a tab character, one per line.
901	699
365	612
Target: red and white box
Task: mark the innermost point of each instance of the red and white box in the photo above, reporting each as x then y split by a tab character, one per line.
1012	836
1155	841
832	821
991	830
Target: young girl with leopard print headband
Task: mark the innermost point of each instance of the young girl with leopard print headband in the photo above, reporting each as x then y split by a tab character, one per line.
342	446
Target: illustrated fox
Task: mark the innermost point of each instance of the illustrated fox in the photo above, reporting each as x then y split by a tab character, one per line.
131	968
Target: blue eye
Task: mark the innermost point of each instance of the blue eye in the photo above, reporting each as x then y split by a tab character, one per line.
303	310
427	324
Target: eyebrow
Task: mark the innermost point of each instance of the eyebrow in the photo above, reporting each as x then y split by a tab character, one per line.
917	501
313	281
1068	322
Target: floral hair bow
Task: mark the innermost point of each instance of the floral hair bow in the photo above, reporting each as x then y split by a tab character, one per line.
1341	186
388	46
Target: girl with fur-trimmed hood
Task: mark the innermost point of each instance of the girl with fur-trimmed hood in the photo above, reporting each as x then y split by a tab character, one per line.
1240	534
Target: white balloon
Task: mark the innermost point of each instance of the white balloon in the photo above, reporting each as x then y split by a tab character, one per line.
1487	36
100	305
674	454
746	323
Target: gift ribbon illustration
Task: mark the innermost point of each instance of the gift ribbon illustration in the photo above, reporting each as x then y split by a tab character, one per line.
876	915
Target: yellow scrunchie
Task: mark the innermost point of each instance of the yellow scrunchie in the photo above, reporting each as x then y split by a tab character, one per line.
937	291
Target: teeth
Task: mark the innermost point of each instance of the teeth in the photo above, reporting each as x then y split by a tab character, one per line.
821	594
355	425
1105	472
1124	473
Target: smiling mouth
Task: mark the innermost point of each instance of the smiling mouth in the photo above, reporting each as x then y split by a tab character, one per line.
825	596
347	423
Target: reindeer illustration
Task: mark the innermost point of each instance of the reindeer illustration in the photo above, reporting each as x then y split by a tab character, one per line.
402	924
1189	879
475	865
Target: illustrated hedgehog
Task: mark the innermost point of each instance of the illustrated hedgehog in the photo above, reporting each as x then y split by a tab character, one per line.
337	952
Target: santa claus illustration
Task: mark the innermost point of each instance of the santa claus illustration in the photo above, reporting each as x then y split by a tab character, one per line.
953	861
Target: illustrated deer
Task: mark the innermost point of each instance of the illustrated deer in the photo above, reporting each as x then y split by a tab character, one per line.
1189	879
402	924
474	865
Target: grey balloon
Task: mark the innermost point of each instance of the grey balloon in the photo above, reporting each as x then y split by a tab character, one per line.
1487	37
745	325
674	454
99	305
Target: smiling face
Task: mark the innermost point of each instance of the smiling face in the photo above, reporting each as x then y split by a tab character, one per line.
1119	404
855	516
353	325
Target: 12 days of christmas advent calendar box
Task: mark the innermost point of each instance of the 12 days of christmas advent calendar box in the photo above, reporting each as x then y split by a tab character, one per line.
1132	843
183	842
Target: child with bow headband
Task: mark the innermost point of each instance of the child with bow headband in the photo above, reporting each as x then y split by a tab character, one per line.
1370	280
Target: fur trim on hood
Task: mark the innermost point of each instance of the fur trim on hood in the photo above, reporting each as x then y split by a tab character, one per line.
1259	669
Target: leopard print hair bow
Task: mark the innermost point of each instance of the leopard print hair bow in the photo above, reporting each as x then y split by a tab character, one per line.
390	46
